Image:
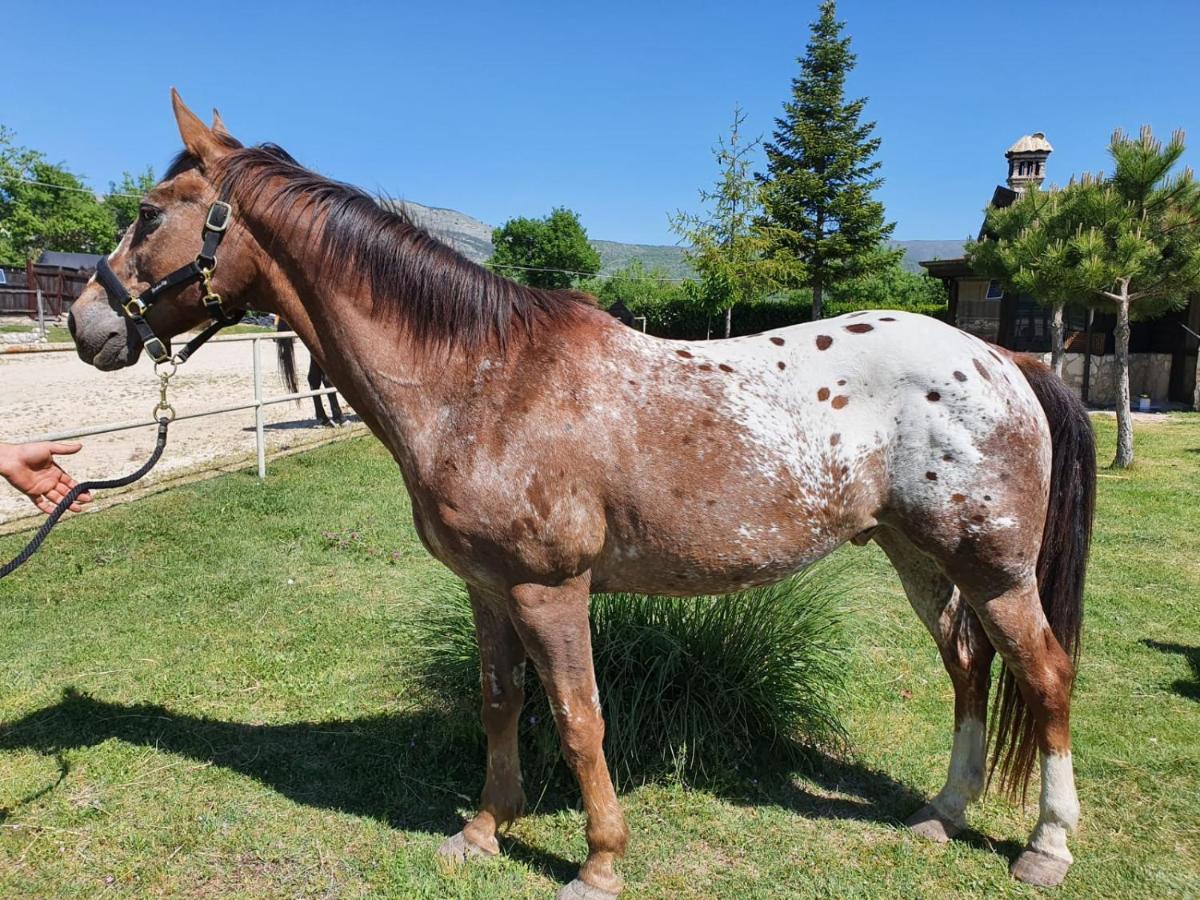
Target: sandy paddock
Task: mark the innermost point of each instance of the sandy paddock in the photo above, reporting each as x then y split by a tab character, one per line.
41	393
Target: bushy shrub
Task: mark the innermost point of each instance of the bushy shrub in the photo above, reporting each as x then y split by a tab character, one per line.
692	688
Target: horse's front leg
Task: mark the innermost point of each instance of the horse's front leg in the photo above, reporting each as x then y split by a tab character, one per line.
553	624
502	677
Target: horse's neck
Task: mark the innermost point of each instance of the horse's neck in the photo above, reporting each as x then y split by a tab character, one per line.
398	391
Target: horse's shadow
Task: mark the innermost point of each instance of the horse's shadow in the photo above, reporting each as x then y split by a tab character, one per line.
414	770
1191	655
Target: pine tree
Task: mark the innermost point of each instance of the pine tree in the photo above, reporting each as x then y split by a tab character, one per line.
820	219
1129	242
1026	248
1139	245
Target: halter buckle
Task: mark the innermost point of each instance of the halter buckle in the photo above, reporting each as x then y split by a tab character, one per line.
157	350
218	217
134	307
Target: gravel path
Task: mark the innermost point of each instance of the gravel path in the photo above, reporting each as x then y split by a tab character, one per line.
41	393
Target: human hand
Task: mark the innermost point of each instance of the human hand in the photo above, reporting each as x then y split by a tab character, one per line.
31	469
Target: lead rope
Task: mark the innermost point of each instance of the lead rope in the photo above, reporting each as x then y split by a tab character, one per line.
165	414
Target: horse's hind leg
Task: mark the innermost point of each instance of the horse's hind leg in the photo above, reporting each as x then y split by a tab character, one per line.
334	407
314	383
502	677
1016	624
967	656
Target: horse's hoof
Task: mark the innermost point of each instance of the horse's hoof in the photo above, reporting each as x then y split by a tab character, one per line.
929	822
457	849
581	890
1039	869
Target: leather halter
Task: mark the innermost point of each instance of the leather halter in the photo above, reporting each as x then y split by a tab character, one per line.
135	307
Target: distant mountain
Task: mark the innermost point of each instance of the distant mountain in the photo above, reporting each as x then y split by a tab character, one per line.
473	239
916	252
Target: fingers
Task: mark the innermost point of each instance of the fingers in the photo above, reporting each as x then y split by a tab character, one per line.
67	483
65	447
43	504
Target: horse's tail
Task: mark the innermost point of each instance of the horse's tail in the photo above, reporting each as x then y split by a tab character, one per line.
1061	566
285	352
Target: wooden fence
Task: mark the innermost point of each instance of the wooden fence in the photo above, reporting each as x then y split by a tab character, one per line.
60	287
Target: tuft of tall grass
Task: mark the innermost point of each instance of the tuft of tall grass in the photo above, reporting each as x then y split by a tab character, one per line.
692	688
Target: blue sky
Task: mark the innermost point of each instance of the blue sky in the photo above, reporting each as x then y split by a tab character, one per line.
503	109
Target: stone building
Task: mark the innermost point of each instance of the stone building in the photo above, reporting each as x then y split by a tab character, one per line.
1163	354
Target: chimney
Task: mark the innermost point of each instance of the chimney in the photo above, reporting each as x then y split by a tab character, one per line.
1027	161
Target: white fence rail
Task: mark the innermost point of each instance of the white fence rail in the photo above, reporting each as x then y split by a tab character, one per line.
257	404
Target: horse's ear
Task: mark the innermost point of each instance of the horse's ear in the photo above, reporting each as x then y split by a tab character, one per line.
198	138
218	125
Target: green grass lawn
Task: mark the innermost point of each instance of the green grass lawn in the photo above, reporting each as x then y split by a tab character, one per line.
208	693
248	329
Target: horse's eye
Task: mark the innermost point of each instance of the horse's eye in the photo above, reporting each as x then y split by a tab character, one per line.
149	213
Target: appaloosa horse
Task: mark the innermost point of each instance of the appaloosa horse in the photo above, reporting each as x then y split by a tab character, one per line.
716	465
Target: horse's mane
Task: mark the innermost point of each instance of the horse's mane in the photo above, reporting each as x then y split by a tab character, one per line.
438	295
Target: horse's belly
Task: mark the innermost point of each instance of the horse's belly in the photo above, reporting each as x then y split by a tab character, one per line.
720	542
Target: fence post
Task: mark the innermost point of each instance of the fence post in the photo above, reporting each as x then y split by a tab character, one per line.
259	440
41	315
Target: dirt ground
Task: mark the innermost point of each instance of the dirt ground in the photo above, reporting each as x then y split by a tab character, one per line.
42	393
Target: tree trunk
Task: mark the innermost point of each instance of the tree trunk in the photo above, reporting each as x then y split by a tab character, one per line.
728	321
1196	392
1056	340
1124	416
1087	358
817	305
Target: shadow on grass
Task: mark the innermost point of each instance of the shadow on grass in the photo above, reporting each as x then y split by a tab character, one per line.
1191	655
415	771
306	424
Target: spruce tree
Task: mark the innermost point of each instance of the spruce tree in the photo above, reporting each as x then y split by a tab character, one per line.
820	218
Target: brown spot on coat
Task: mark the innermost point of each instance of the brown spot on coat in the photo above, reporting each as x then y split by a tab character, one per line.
725	368
933	396
705	367
959	375
887	319
932	476
860	328
684	354
958	498
777	341
835	439
981	370
839	401
824	341
782	365
538	497
823	394
947	457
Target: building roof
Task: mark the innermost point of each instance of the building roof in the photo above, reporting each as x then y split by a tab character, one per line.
1031	143
76	261
948	268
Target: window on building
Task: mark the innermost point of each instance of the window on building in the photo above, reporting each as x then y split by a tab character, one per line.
995	290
